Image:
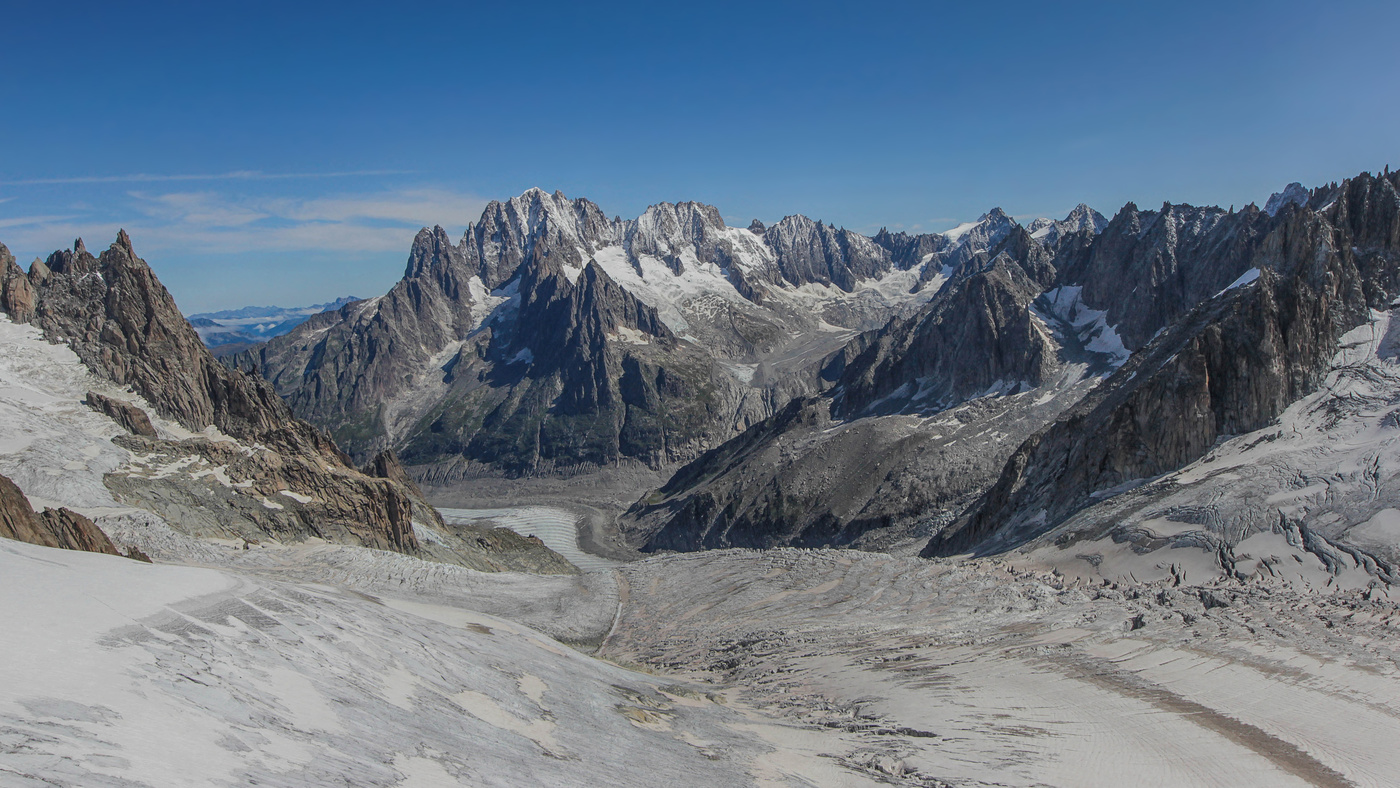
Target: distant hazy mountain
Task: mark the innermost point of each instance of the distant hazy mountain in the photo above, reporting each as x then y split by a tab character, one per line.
232	330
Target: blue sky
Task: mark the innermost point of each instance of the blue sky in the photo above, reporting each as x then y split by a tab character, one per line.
286	152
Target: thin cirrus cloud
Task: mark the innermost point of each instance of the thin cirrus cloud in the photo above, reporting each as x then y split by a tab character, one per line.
236	175
27	221
207	222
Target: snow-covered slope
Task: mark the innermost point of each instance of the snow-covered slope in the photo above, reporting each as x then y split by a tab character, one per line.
1312	499
121	674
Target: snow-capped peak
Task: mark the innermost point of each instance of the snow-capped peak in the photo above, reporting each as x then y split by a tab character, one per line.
1292	194
1080	218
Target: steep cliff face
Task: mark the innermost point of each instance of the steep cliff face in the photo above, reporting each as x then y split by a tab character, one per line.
978	336
123	324
1148	268
1230	366
586	375
340	367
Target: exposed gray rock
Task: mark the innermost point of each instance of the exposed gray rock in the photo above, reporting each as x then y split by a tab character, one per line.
977	336
801	478
1081	219
1292	194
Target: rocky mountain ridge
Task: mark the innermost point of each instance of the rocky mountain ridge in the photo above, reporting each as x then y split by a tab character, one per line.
227	437
1229	367
1254	301
454	369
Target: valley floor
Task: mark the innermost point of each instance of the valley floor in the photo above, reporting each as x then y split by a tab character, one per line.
328	665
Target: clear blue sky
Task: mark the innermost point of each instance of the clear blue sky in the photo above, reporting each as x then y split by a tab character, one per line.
336	130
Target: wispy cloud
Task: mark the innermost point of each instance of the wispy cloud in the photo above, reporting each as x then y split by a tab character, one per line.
208	222
411	206
24	221
237	175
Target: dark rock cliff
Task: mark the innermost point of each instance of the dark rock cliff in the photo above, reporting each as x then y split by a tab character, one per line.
977	335
584	375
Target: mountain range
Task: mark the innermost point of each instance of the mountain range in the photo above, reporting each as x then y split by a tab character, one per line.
233	330
801	384
1137	468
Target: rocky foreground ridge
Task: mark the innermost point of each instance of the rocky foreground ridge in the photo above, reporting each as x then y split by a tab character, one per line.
63	528
232	462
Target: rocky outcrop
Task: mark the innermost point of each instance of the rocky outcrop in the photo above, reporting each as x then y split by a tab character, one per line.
267	494
1148	268
1230	366
130	417
62	528
16	293
124	325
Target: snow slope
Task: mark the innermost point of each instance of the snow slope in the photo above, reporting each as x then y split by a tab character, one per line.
1309	500
119	673
557	528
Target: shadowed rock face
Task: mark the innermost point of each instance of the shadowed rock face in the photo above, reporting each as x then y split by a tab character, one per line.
585	376
51	528
1230	366
978	334
810	251
123	324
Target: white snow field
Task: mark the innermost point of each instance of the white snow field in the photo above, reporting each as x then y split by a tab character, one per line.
557	528
118	673
326	665
977	673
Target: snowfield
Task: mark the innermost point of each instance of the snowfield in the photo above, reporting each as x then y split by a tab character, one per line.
316	664
557	528
119	673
